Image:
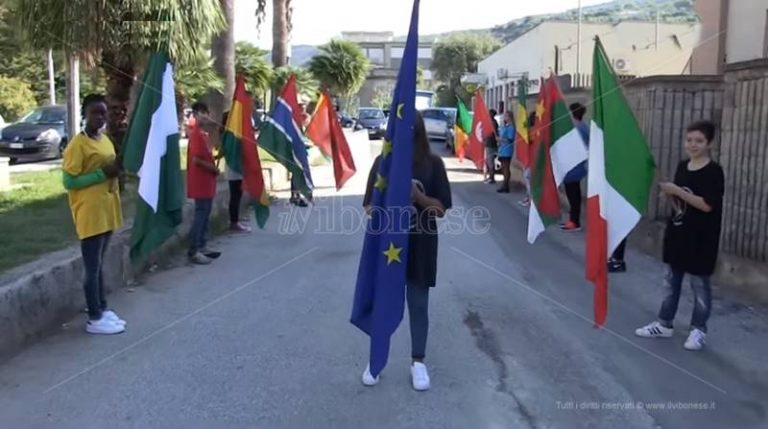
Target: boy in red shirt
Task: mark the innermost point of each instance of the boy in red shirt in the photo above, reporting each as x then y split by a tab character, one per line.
201	184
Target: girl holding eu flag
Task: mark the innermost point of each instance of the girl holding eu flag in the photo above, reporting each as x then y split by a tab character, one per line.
431	198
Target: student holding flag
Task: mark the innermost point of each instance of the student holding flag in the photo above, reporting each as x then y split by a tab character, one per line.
400	246
431	197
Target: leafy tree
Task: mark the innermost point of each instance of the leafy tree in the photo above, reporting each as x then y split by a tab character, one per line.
250	62
458	55
382	97
341	67
118	36
16	98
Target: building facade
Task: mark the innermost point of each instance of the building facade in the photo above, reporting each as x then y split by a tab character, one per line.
385	54
635	49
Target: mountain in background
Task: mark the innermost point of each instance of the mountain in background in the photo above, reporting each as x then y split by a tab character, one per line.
670	11
300	55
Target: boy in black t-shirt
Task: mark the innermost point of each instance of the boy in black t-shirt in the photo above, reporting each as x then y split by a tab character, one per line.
692	237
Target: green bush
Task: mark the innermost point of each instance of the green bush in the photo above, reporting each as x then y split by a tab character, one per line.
16	98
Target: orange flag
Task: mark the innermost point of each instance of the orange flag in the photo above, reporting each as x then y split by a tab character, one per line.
325	131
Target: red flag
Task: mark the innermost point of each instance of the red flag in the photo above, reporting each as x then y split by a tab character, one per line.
241	150
325	131
482	128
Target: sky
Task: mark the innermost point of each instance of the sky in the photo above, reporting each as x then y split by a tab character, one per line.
317	21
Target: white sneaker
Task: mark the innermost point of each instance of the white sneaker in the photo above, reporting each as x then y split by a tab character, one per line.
368	378
696	340
654	330
419	376
113	317
103	327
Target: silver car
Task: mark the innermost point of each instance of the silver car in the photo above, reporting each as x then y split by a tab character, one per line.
439	122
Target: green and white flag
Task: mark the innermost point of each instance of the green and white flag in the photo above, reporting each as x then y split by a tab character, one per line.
151	150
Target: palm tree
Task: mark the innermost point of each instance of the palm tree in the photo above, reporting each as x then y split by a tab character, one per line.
250	62
223	53
340	67
196	80
118	35
305	82
281	28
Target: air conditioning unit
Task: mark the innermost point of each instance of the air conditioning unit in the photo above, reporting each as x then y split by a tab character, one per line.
620	64
502	73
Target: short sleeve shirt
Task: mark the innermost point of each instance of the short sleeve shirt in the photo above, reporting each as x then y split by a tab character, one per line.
95	209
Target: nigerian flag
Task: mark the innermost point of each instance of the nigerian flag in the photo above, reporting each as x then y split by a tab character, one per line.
151	150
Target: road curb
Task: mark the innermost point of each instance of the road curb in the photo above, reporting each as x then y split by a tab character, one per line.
38	296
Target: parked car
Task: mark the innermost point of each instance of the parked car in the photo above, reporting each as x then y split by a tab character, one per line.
373	120
41	134
2	122
439	123
345	120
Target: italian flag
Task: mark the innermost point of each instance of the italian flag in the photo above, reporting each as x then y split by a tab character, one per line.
557	147
462	128
241	151
151	150
621	170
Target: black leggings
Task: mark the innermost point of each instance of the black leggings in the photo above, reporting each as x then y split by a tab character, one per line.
235	196
506	164
573	192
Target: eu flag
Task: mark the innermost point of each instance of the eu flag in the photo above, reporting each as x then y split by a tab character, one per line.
380	290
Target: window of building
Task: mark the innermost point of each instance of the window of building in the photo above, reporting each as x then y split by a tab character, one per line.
425	53
398	52
376	55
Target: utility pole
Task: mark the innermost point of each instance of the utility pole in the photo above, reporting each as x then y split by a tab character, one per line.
73	94
658	22
578	44
51	83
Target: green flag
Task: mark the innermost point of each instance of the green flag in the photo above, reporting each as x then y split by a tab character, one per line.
151	150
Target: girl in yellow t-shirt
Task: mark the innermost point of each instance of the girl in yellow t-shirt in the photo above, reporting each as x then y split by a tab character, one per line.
90	177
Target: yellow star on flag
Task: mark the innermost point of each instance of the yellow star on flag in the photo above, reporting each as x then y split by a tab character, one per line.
393	254
540	110
381	182
400	110
386	149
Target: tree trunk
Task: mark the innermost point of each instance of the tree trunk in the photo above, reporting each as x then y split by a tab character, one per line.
280	33
120	75
223	53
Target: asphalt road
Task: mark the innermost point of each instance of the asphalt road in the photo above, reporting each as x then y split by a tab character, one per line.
262	339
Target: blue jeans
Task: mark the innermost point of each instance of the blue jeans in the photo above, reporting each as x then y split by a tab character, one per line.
199	231
418	315
702	299
93	249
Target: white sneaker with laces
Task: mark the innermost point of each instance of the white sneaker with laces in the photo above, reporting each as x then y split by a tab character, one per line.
368	378
103	327
654	330
696	340
113	317
419	376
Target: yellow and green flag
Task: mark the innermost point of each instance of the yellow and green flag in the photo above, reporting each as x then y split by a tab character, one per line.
462	128
241	151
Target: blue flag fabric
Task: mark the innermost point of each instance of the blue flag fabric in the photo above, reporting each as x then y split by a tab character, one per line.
379	300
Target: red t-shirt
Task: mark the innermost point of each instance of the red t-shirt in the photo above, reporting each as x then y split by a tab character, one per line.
201	183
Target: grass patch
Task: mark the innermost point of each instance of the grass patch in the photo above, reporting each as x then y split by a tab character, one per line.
34	218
